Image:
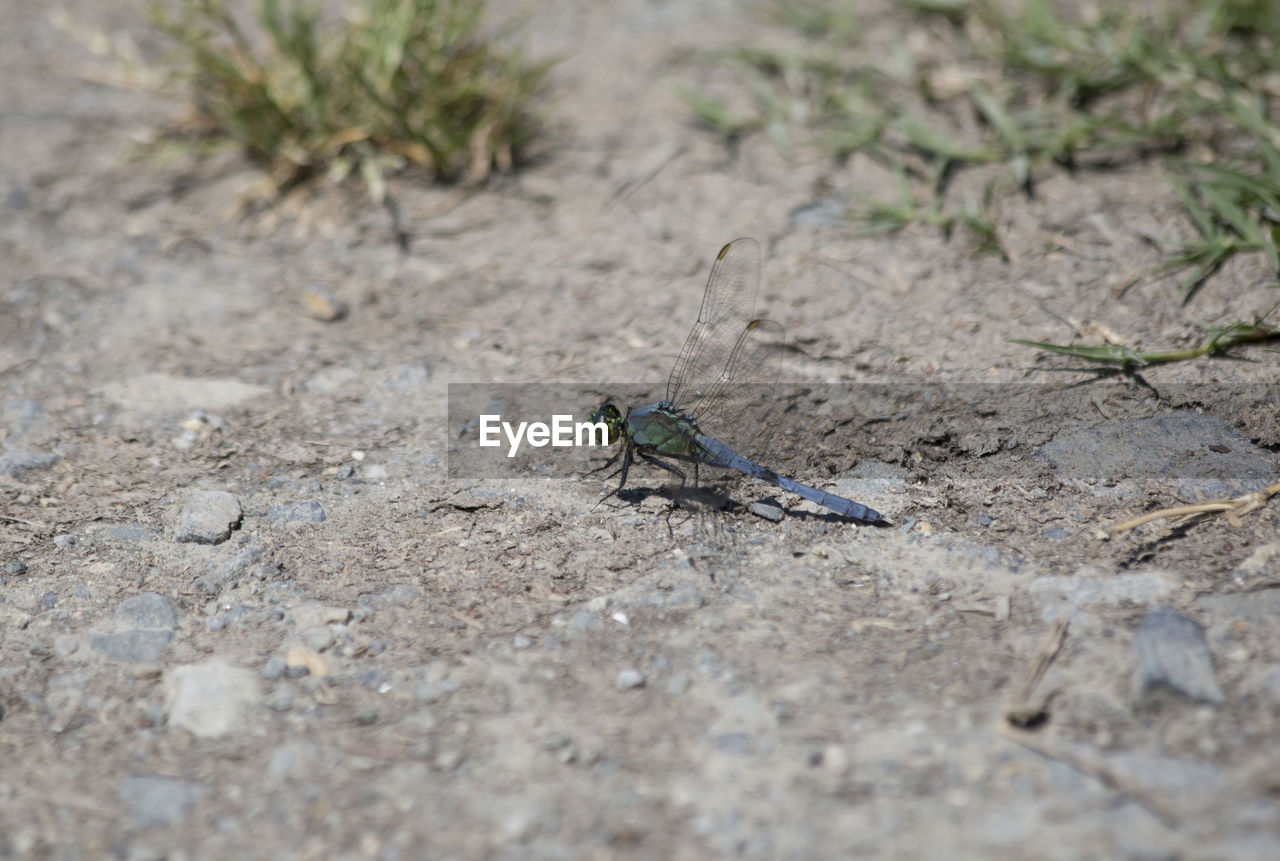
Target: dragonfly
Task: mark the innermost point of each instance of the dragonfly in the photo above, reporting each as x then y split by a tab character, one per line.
727	349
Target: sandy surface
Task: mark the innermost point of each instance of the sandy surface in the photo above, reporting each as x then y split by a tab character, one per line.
380	660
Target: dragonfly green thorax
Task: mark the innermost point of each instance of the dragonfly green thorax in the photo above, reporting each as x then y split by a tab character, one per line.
728	348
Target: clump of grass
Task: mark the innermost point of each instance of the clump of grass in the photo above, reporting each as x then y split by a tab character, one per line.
1019	87
400	82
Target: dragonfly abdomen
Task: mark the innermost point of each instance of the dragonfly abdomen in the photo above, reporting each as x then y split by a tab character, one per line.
839	504
717	453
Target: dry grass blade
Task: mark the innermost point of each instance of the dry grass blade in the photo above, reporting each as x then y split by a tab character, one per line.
1028	708
1233	508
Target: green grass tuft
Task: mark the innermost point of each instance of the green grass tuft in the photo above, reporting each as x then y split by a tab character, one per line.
395	84
1023	87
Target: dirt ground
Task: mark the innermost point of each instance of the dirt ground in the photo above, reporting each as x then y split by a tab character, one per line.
381	661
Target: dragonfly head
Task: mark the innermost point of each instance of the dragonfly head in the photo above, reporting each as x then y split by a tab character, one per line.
612	418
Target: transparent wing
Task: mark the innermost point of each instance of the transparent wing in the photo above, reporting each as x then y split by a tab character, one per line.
728	306
738	407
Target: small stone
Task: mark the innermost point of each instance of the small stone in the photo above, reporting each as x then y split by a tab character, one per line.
520	641
136	645
274	668
734	742
321	303
1172	652
15	567
210	699
155	800
297	512
630	678
303	661
767	511
149	610
208	518
64	540
318	639
227	571
14	463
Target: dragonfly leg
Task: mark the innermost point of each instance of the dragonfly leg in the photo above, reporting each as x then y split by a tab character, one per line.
648	458
625	454
610	462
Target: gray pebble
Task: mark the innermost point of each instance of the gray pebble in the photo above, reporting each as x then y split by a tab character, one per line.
132	533
274	668
430	692
630	678
1172	652
15	567
208	518
767	511
229	569
210	699
155	800
295	512
64	540
734	742
520	641
137	646
149	610
319	638
14	463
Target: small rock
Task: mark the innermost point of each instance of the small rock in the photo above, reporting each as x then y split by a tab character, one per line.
291	760
734	742
318	639
767	511
321	303
149	610
630	678
132	533
208	518
228	570
14	463
274	668
297	512
520	641
210	699
137	645
302	661
64	540
156	800
15	567
1172	652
